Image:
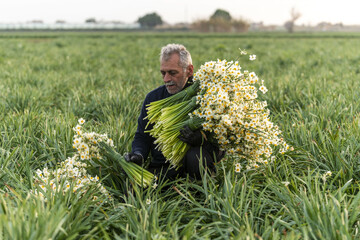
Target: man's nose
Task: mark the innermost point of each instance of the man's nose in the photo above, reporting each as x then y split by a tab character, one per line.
167	77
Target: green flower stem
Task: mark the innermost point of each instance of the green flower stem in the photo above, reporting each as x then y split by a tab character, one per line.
171	115
139	175
170	145
154	108
194	122
177	113
156	130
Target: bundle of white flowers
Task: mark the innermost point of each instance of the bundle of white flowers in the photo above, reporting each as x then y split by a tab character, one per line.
230	108
70	176
97	146
226	106
72	173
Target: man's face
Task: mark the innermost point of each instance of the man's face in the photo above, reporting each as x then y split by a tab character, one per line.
173	74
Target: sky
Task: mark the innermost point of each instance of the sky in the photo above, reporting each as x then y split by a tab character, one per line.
128	11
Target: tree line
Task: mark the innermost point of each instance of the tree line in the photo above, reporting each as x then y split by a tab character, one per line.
219	21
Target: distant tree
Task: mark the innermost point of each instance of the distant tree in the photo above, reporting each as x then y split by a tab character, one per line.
150	20
240	25
201	25
37	21
221	21
220	25
289	25
90	20
221	14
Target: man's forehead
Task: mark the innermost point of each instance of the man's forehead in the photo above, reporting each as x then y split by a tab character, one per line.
170	64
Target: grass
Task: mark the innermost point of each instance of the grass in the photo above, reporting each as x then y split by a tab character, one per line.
49	80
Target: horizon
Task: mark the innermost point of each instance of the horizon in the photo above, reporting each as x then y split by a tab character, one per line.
276	12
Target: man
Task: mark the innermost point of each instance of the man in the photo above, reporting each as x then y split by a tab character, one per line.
177	72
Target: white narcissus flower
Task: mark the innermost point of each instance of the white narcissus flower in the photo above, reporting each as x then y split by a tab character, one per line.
263	89
237	167
81	121
286	183
252	75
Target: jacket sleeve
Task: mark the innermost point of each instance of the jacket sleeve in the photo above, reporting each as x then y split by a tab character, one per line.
142	141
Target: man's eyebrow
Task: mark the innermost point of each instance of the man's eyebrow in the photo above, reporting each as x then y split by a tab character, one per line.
163	71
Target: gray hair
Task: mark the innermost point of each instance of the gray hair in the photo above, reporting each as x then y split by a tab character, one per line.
168	50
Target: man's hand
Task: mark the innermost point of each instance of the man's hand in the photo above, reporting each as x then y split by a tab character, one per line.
193	138
134	157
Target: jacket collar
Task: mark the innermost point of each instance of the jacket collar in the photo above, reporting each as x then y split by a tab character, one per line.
189	82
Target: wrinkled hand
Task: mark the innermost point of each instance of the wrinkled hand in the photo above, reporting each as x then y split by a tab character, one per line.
193	138
136	158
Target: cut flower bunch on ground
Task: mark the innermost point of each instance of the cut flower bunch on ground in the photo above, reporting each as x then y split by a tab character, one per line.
72	173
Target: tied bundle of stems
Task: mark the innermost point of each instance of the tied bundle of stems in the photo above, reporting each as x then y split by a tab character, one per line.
167	130
154	108
171	146
136	173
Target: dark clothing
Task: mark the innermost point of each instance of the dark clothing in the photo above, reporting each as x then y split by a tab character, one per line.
191	164
143	144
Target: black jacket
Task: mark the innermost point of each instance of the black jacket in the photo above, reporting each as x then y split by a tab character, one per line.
143	143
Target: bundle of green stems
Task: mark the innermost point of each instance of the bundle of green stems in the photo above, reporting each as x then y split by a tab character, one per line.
136	173
170	115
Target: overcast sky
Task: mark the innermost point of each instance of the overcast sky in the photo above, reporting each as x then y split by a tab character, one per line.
171	11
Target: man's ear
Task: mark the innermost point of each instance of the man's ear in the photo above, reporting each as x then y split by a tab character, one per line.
190	70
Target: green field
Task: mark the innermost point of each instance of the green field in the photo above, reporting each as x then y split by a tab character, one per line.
50	80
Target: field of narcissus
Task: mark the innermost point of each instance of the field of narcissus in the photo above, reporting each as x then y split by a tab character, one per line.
52	82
